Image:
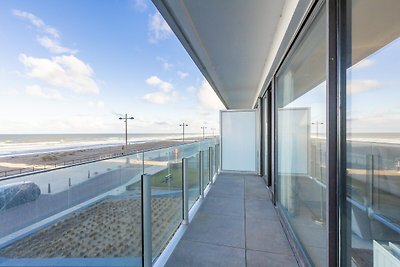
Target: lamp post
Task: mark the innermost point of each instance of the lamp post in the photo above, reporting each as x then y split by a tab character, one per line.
126	128
213	133
183	125
203	127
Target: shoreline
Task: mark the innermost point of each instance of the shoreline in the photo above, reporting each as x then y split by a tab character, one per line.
51	158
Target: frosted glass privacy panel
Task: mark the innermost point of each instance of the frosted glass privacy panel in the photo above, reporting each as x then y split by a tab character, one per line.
294	140
238	140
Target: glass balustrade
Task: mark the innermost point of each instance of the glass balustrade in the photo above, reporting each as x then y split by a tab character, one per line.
92	213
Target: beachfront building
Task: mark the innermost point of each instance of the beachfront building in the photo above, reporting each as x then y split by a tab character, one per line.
322	80
305	172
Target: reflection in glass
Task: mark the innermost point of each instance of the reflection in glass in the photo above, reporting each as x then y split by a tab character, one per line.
301	119
373	133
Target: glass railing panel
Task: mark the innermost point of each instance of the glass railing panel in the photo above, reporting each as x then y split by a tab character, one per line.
83	211
164	168
212	161
206	178
193	178
94	210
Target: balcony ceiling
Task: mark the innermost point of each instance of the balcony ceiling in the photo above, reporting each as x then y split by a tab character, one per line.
230	42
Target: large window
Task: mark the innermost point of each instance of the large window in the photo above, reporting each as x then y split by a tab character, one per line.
301	120
373	134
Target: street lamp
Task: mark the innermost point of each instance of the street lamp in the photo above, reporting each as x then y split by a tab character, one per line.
126	129
183	125
203	127
213	129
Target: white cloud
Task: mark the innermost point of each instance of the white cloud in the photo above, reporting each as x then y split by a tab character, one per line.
165	95
140	5
208	98
96	104
359	86
364	63
62	71
158	28
161	97
51	38
36	90
53	46
165	63
155	81
191	89
37	22
182	74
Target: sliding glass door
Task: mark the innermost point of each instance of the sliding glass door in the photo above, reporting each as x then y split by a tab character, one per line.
301	135
373	134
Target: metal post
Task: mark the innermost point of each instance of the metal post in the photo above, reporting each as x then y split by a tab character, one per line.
69	182
48	189
126	129
147	260
183	125
203	128
210	178
201	174
185	190
215	160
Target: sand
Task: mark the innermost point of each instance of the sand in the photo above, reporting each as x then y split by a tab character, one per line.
111	228
32	162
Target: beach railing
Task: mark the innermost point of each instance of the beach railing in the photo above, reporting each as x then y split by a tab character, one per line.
97	211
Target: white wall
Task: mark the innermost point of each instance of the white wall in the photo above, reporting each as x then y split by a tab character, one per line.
238	140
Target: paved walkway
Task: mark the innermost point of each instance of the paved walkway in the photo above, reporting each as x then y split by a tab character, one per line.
236	225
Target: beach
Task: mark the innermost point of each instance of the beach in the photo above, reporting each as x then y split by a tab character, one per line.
45	160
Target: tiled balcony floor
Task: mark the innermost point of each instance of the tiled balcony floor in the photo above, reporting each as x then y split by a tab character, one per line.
236	225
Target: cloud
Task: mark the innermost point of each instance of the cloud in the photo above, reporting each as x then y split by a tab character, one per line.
207	97
51	38
359	86
140	5
62	71
182	74
37	22
155	81
36	90
364	63
53	46
165	63
160	97
96	104
158	28
165	95
191	89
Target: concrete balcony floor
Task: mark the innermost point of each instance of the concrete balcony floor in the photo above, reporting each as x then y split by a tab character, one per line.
236	225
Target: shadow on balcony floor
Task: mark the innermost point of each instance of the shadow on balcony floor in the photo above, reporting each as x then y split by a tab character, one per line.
236	225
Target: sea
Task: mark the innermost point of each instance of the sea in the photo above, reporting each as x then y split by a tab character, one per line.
25	144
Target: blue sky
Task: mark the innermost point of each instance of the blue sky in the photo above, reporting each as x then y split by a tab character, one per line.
75	66
372	93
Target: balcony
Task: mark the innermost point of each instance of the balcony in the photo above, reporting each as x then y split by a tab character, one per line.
93	214
236	225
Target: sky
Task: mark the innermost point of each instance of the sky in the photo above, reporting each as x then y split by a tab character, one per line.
372	103
77	66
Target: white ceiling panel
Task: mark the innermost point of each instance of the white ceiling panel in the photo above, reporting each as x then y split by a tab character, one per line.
228	40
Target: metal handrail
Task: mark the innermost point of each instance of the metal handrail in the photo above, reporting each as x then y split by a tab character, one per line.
66	164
